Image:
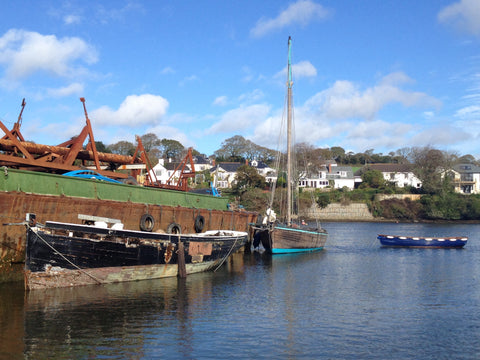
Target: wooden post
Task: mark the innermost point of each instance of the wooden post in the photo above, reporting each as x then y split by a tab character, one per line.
182	271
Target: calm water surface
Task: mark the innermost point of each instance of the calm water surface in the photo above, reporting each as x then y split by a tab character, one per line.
354	300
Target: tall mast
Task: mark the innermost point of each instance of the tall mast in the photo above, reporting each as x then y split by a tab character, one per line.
289	133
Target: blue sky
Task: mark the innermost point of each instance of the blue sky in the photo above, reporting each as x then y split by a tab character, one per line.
372	74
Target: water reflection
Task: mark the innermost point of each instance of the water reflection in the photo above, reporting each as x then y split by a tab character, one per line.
352	300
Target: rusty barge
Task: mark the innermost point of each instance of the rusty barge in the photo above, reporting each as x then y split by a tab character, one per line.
31	181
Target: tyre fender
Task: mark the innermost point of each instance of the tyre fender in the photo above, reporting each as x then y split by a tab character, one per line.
199	223
174	228
147	222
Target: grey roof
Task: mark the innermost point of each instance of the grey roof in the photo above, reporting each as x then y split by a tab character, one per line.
200	160
466	168
229	167
387	168
337	169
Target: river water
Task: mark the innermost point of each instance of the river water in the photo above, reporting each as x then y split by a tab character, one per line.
353	300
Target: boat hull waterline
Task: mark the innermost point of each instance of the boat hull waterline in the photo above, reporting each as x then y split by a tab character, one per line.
65	255
422	242
278	239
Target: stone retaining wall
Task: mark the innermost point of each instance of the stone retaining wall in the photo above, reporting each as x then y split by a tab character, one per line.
413	197
339	212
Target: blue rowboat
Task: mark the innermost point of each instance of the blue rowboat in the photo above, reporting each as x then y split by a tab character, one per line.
422	242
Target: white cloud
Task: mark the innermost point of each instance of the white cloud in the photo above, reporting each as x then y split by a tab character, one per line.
134	111
167	70
24	53
468	112
169	132
464	14
252	96
303	69
220	101
346	100
302	12
72	19
188	79
75	88
442	136
240	119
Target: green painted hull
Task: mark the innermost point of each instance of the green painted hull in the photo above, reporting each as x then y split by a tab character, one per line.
60	198
58	185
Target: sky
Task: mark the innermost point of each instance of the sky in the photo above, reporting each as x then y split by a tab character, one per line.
375	75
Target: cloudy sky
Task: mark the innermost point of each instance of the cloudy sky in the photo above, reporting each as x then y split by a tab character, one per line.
370	74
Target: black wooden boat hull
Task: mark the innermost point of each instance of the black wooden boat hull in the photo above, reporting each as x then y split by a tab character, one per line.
62	254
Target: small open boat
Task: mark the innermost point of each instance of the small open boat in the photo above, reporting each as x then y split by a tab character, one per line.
422	242
64	254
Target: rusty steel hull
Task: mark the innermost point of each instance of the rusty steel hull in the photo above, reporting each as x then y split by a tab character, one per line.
165	207
65	255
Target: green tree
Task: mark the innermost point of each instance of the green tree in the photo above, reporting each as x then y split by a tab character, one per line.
247	177
233	149
101	147
122	148
172	149
150	141
428	164
373	179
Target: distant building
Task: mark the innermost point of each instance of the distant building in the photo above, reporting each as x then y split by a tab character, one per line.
225	173
400	174
466	178
330	175
201	163
163	171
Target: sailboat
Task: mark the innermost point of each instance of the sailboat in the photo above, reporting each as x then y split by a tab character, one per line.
288	237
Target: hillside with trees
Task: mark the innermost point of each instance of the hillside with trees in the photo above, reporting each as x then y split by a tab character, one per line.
430	165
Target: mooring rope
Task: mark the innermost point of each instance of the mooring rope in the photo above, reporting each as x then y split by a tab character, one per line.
64	258
228	254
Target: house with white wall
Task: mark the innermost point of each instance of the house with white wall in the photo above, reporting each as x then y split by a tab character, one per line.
466	178
400	174
225	173
329	175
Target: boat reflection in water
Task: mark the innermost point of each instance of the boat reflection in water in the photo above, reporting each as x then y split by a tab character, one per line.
121	320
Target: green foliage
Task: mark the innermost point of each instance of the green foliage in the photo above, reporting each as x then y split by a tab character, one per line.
171	149
450	206
373	179
247	177
122	148
398	209
323	199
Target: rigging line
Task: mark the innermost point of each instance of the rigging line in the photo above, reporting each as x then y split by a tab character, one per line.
228	254
64	258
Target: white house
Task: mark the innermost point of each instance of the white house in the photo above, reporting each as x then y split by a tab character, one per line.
400	174
201	163
329	175
466	178
163	171
225	173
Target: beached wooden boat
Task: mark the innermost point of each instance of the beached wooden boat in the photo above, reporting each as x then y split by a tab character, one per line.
288	237
64	254
422	242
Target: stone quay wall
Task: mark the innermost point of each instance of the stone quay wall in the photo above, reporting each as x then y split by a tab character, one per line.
340	212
